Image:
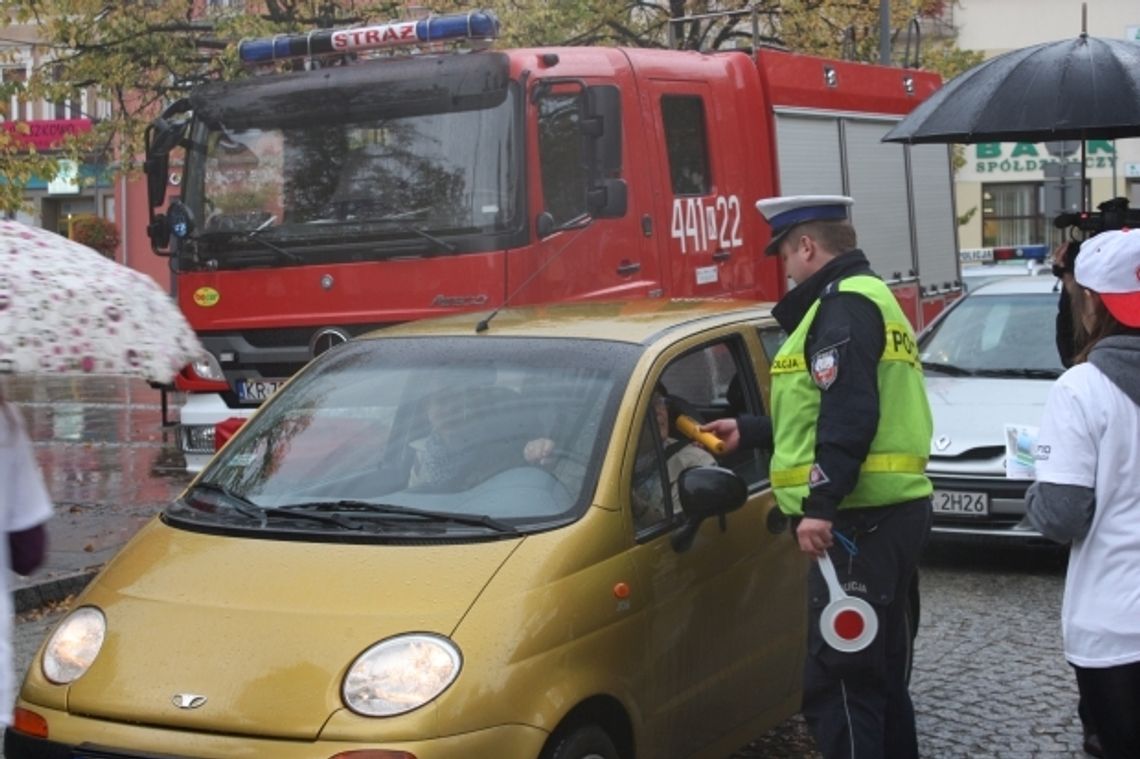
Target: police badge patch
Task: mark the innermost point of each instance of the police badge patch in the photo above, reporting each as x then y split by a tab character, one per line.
825	368
817	476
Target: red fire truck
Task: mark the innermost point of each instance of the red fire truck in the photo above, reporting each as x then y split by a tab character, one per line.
319	204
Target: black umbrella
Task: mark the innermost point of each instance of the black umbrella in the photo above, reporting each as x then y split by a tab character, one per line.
1086	88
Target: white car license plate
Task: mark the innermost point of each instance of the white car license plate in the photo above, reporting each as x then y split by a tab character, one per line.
255	391
961	502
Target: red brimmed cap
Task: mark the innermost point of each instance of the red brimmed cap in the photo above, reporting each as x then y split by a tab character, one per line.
1109	265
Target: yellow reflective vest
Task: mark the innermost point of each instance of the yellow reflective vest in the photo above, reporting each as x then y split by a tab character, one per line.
894	470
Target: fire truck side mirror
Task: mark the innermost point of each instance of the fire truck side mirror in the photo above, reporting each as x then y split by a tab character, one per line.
162	136
601	125
156	168
608	199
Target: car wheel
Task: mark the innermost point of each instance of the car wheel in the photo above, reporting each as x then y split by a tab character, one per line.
586	742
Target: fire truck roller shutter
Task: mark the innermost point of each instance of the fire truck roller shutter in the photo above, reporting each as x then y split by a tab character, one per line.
810	162
876	175
935	230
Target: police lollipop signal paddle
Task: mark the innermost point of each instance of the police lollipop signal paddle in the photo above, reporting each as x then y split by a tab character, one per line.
848	624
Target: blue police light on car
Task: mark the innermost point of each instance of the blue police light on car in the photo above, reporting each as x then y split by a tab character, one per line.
476	25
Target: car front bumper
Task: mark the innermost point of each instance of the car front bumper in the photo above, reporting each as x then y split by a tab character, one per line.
74	737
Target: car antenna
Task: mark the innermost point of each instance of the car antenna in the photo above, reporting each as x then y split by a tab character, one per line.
584	220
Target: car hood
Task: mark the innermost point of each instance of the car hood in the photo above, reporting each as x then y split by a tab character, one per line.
971	412
264	629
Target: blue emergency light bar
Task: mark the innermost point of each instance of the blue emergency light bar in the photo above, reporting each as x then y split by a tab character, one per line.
476	25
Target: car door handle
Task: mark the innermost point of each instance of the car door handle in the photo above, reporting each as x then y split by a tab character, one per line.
628	268
722	255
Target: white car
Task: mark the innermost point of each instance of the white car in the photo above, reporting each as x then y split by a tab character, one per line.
977	275
990	360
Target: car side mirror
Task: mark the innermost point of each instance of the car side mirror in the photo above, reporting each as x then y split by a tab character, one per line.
707	491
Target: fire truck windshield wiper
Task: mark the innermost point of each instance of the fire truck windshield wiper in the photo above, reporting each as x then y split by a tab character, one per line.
254	235
398	221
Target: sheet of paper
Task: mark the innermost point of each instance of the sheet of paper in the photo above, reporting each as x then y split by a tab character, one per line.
1020	441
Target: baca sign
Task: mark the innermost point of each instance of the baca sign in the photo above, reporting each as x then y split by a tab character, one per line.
1023	157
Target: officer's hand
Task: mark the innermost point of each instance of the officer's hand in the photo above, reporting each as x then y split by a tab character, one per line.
814	536
725	429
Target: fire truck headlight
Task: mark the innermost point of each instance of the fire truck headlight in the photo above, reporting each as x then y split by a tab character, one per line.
207	367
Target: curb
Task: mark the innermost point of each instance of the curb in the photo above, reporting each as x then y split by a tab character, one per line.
51	591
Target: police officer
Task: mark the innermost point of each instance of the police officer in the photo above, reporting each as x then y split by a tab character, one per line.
850	433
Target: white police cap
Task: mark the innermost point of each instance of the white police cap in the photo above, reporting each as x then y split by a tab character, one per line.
783	213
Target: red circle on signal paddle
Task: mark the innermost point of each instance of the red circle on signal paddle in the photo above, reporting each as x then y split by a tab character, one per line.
849	624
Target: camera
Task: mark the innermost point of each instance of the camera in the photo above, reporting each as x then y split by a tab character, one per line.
1112	214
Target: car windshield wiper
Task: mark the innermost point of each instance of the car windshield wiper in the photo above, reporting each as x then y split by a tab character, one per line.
953	371
1026	373
248	508
478	520
254	235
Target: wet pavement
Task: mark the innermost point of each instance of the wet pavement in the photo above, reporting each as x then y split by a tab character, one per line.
109	463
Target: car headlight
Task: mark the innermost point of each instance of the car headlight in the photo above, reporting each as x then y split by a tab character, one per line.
400	674
74	645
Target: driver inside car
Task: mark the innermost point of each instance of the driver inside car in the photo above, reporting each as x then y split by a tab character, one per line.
649	504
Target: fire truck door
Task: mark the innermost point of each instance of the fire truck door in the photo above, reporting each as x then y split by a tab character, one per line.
576	256
703	224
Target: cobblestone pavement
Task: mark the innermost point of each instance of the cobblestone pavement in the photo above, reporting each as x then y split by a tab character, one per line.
989	679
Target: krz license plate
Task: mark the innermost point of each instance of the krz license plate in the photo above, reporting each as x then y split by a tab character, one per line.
961	502
255	391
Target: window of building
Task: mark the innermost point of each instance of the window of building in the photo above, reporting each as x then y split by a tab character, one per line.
683	117
564	177
1012	214
15	78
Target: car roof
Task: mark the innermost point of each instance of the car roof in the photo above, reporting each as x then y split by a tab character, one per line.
640	321
1017	285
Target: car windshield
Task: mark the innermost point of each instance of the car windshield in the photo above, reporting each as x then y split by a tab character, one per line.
424	435
987	334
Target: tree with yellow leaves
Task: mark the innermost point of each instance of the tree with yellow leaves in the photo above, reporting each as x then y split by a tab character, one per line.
137	56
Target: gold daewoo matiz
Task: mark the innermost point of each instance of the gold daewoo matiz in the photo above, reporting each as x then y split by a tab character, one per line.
442	542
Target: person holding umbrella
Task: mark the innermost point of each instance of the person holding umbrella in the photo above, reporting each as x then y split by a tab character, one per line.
850	432
1088	489
65	308
24	508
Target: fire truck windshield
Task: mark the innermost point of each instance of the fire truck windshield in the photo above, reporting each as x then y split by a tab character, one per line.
402	173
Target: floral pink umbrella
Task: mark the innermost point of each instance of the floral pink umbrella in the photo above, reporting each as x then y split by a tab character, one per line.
65	308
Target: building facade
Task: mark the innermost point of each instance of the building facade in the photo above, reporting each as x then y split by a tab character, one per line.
1007	194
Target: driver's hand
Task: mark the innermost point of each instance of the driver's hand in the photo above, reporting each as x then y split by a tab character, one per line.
539	451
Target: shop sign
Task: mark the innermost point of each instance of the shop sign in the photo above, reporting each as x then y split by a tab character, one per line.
45	134
1024	157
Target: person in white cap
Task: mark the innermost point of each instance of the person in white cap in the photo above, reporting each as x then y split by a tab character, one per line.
850	433
1088	488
